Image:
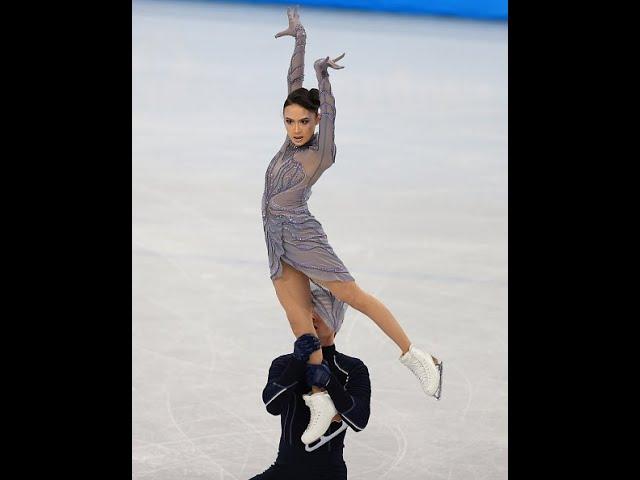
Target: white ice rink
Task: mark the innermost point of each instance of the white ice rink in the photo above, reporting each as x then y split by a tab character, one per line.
415	206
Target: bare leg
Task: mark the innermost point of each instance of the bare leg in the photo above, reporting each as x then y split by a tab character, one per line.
352	294
294	294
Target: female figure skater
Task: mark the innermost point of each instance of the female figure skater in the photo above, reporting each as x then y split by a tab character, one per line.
297	246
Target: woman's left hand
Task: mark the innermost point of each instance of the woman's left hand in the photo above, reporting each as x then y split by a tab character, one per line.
323	63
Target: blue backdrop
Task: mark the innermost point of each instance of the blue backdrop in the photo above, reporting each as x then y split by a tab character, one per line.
483	9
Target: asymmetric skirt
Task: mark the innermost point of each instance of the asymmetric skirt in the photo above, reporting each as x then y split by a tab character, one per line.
297	238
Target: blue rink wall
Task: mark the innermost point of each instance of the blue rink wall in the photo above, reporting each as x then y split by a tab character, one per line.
480	9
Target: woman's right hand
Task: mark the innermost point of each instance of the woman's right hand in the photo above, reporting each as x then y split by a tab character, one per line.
294	21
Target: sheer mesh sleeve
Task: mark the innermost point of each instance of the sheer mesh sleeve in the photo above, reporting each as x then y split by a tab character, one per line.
295	76
326	145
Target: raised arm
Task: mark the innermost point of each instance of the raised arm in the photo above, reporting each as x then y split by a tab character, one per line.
326	144
295	75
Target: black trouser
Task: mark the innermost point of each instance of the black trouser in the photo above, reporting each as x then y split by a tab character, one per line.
295	472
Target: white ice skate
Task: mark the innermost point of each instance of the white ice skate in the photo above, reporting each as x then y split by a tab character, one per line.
326	439
428	372
322	412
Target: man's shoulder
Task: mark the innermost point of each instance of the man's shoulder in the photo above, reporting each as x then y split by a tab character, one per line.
348	362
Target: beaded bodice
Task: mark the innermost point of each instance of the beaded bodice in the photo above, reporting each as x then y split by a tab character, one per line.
286	183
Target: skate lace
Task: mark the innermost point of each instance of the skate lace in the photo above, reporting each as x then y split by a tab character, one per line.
315	416
422	373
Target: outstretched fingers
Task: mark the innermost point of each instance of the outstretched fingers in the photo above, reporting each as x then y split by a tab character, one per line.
294	15
294	19
333	64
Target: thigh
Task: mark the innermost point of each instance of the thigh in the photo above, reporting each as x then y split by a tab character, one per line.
348	292
293	290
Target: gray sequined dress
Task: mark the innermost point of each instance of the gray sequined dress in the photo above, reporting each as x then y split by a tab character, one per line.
292	233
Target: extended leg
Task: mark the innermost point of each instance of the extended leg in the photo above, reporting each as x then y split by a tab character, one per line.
424	366
352	294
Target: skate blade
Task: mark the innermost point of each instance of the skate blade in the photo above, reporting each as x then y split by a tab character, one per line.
322	440
439	389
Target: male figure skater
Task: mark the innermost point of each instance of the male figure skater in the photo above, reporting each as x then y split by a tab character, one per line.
346	380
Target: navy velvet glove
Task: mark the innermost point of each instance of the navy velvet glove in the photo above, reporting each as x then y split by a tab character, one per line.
318	375
304	346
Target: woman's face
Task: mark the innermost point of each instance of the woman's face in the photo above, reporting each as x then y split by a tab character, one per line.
300	123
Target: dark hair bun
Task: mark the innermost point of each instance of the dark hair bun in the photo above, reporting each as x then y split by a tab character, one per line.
314	96
309	99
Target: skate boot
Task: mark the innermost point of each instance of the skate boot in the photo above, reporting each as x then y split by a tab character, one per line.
428	372
322	412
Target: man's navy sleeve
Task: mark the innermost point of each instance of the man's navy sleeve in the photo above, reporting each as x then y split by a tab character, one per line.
353	399
284	374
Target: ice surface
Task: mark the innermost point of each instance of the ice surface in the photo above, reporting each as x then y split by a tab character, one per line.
415	206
